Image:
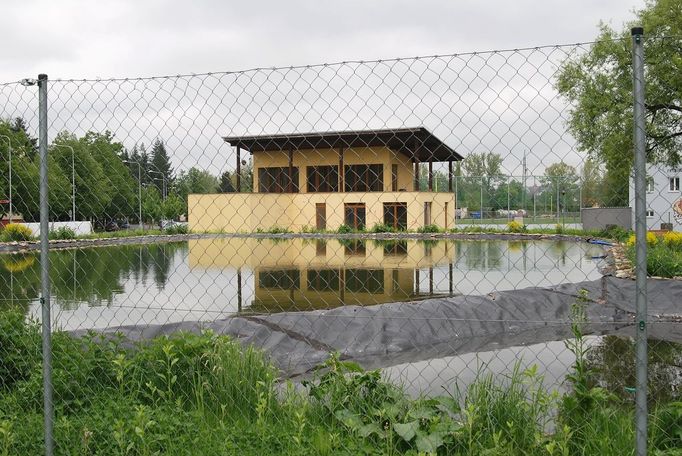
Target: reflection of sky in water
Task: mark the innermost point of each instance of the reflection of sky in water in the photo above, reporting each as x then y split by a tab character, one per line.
157	284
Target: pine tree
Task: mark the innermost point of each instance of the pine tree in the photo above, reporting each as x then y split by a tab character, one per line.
160	163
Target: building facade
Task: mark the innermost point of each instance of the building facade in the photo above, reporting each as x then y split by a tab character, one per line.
663	198
324	180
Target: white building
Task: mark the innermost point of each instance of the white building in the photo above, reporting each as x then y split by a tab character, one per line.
663	197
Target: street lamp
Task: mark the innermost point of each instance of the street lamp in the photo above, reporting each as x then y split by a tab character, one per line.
163	184
139	190
9	148
73	180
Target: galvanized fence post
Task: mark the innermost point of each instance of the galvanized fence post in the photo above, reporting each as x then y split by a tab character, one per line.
44	268
640	232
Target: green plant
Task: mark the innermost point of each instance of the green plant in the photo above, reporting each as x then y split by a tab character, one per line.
516	227
16	232
344	229
559	228
382	228
61	233
429	229
176	229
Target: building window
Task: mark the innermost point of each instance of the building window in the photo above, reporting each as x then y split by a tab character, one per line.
355	215
365	281
363	178
395	215
322	178
324	280
276	180
649	184
674	184
283	279
649	213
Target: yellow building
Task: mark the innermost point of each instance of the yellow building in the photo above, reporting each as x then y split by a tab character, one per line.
324	180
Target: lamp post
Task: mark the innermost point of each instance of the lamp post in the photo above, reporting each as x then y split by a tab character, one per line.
73	180
9	148
163	185
139	191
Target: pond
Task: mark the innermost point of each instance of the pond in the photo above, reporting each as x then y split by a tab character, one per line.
211	278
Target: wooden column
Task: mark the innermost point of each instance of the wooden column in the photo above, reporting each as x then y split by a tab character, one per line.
430	174
291	169
239	170
416	173
239	290
450	189
416	282
341	182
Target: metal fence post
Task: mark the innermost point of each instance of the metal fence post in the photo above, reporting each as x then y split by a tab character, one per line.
640	232
44	268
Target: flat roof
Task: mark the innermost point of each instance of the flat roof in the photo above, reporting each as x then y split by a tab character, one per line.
412	142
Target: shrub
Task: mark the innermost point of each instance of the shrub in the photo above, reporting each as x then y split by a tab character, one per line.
382	228
176	229
673	240
651	239
516	227
344	229
429	229
63	232
16	232
559	228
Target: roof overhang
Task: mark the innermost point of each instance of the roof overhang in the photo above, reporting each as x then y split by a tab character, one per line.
413	142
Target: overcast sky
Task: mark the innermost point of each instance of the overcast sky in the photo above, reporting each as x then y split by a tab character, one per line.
77	39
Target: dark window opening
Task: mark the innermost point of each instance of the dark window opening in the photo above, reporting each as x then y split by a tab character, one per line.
282	279
322	178
395	215
355	247
276	180
355	215
324	280
363	178
365	281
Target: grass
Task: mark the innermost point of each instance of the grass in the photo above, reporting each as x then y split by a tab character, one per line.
206	394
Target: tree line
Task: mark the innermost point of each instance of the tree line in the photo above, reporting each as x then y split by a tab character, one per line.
106	179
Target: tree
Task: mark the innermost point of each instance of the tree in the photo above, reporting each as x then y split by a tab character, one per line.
560	184
152	206
482	176
226	185
160	163
598	84
592	182
172	207
195	181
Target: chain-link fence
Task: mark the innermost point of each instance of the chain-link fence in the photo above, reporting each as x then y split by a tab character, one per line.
420	255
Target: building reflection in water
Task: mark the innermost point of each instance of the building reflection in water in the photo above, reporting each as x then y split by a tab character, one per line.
305	274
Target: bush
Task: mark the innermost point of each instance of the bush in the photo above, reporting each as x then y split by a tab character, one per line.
176	229
63	232
429	229
615	232
382	228
343	229
651	240
516	227
559	228
16	232
673	240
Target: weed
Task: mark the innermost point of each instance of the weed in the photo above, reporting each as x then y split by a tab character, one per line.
429	229
516	227
62	233
344	229
176	229
16	232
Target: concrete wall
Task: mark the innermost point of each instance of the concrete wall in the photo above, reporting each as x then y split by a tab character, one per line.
597	218
81	228
661	201
248	212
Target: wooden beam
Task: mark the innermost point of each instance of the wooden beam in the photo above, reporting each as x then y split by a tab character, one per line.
239	169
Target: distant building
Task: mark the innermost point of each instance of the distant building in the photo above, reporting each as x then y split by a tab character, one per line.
663	198
323	180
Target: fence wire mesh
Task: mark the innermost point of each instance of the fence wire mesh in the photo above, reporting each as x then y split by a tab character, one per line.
419	255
